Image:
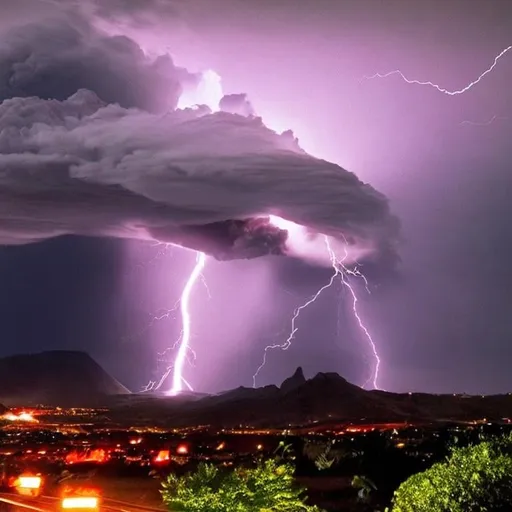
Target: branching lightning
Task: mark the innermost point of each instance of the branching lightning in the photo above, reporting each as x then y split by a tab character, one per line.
183	341
438	87
210	93
340	270
343	271
287	344
484	123
184	347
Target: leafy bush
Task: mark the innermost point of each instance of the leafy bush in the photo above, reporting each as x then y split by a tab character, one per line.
324	455
474	478
365	486
268	487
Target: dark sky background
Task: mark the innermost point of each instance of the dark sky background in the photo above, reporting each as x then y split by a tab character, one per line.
444	325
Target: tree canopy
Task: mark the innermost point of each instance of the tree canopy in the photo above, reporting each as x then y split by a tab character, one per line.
473	478
268	487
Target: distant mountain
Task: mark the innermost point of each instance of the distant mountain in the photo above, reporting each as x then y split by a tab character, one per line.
75	379
55	378
295	381
327	398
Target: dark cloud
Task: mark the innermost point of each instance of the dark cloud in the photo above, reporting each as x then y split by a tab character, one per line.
141	11
56	58
130	17
115	159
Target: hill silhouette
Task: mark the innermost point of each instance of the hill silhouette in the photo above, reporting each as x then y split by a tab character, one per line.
55	378
75	379
326	399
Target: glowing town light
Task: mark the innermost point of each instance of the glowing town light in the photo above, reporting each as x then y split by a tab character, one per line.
28	482
80	502
162	456
182	449
22	416
438	87
177	381
97	455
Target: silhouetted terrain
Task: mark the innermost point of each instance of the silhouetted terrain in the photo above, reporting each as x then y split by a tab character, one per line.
54	378
75	379
325	399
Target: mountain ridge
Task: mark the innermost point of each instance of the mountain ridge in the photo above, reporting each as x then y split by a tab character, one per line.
74	379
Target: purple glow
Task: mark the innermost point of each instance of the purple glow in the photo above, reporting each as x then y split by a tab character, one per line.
287	344
208	92
484	123
343	271
438	87
296	238
303	243
439	157
310	246
178	380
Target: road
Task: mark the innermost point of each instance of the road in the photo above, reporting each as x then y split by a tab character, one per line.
17	503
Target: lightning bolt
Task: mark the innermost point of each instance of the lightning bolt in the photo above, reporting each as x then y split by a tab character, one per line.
438	87
184	345
484	123
155	385
287	344
341	271
183	341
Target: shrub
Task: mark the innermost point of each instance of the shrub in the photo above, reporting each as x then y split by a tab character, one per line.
268	487
474	478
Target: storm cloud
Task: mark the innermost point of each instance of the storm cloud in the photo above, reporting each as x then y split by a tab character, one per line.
91	144
54	59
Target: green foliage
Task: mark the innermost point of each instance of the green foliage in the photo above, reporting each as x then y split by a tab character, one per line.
324	462
324	455
268	487
473	478
283	451
365	486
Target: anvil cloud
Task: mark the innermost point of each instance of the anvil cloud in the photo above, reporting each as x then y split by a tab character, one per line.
91	143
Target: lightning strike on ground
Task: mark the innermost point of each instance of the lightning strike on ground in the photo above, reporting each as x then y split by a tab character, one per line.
184	337
155	385
287	344
438	87
342	271
184	346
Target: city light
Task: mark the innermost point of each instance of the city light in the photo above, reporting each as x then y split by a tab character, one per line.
80	502
28	482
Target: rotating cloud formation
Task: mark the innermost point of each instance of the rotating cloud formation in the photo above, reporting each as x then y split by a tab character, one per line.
92	143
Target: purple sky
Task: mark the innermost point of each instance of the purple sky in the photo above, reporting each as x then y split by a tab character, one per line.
443	325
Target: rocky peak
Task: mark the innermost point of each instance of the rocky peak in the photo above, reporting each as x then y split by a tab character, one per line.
293	382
